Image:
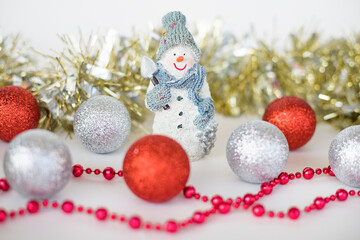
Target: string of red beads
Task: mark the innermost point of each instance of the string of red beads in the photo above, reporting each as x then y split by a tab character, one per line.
108	173
4	185
219	205
102	214
266	188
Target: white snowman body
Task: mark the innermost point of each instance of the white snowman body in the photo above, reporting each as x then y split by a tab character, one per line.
177	121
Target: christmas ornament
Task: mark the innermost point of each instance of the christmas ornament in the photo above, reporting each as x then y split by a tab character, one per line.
37	164
257	151
244	74
107	66
344	156
181	98
19	111
294	117
102	124
219	205
156	168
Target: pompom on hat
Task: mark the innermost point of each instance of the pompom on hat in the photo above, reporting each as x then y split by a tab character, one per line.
176	33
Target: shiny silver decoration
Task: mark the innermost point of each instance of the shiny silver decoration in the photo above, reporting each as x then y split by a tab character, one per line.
344	156
37	164
257	151
102	124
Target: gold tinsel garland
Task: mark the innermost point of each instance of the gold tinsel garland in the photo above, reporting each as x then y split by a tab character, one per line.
244	75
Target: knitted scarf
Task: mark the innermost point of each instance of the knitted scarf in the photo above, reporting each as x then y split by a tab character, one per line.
192	81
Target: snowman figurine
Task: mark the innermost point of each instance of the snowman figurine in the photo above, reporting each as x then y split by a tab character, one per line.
181	100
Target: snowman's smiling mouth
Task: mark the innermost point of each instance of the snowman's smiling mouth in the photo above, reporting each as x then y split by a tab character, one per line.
180	69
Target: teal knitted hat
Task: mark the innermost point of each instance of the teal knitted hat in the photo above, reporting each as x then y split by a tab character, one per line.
176	33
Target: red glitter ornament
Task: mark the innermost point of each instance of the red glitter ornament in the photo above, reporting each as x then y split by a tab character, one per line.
19	111
294	117
156	168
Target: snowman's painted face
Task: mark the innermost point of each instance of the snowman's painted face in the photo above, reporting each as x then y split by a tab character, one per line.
177	60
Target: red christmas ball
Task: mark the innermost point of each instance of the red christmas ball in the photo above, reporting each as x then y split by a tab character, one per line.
19	111
156	168
294	117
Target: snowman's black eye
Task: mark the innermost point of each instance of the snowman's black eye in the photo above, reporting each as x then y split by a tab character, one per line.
184	54
174	54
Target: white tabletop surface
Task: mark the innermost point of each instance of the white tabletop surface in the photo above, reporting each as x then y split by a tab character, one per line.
212	175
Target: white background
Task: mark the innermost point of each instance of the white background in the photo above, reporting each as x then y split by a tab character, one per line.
40	22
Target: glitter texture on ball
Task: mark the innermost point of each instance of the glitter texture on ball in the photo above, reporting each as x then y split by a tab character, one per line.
344	156
294	117
102	124
37	164
257	151
156	168
19	111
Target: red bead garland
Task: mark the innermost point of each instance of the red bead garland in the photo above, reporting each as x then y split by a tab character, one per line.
4	185
308	173
341	194
67	206
219	205
266	188
199	217
3	215
258	210
224	208
189	191
78	170
319	203
135	222
108	173
101	214
249	199
216	201
284	178
171	226
294	213
33	206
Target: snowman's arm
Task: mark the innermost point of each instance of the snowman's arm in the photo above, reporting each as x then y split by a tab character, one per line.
157	97
205	91
150	87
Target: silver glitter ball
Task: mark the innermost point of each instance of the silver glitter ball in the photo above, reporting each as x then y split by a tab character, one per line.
344	156
37	164
257	151
102	124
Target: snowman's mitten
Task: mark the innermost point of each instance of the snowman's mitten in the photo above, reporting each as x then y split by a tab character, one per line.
158	97
205	105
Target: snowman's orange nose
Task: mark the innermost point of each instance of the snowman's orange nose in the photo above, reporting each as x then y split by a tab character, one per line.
180	59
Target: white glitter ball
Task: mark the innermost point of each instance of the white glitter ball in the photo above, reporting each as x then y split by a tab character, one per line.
102	124
37	164
344	156
257	151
